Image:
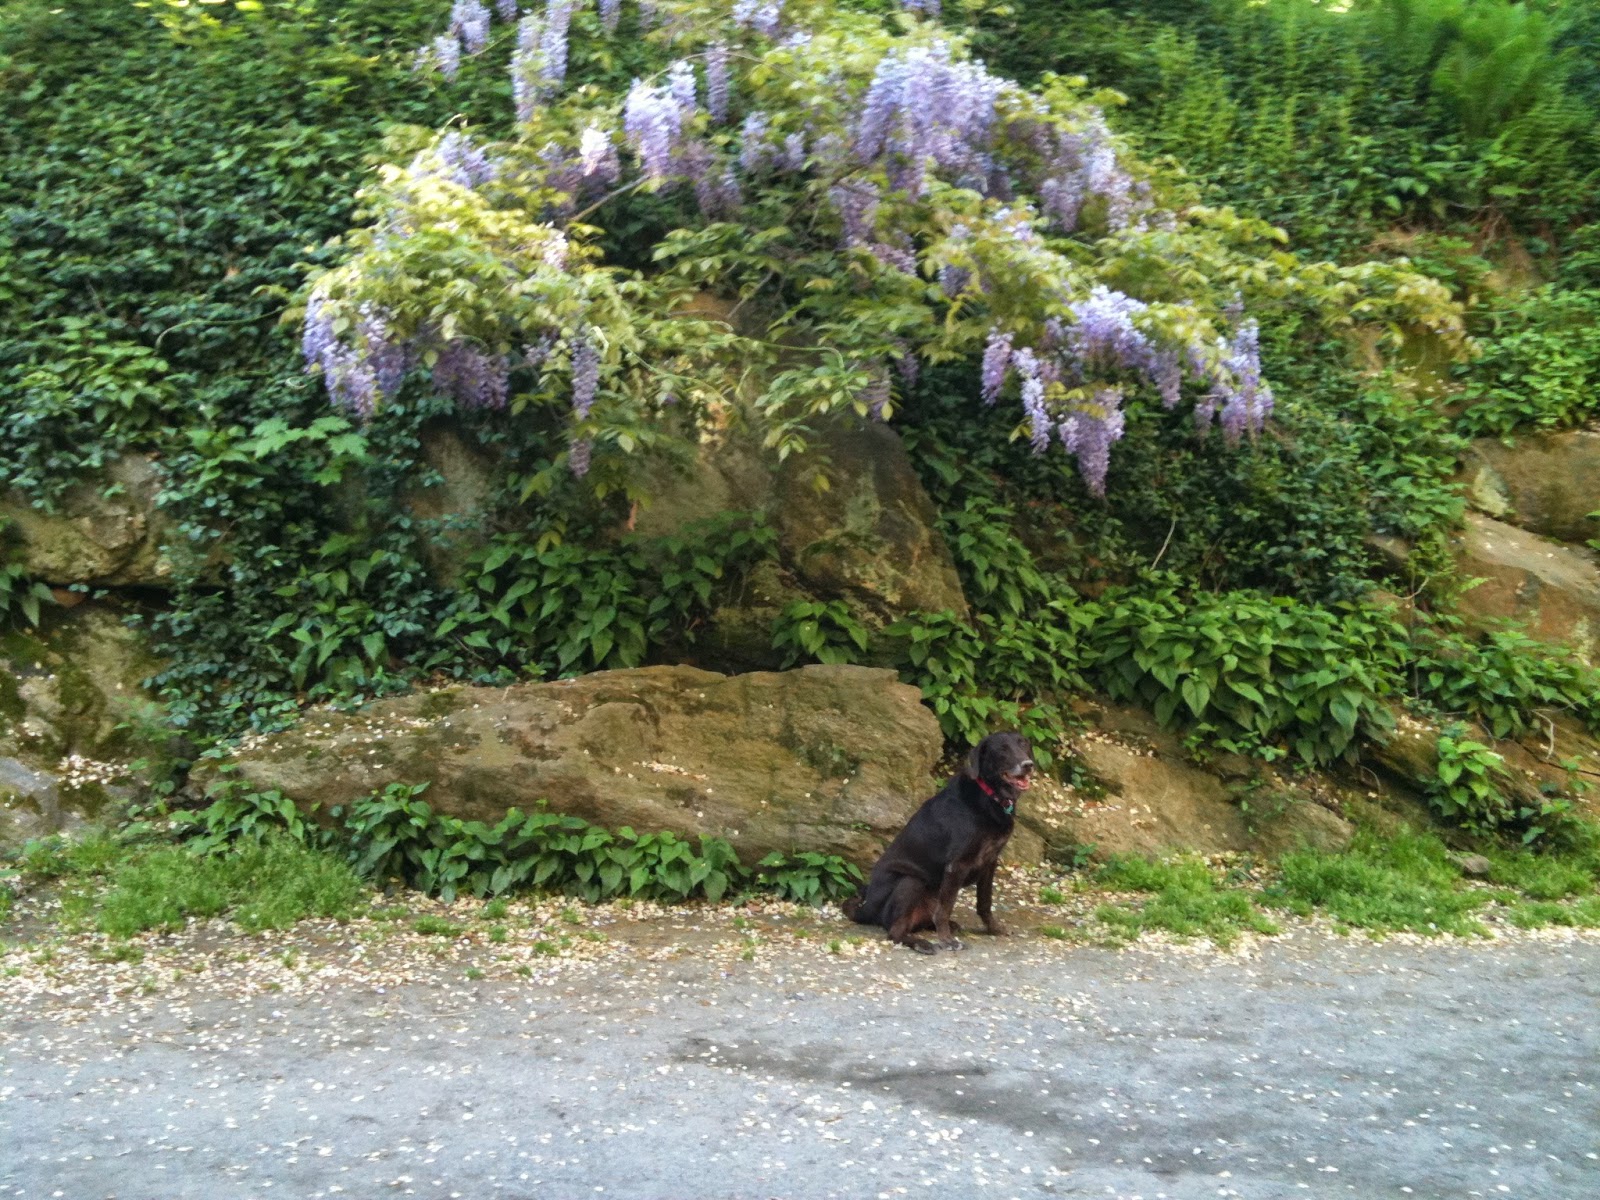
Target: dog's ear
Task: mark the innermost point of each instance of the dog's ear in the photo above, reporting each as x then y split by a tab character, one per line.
975	760
974	767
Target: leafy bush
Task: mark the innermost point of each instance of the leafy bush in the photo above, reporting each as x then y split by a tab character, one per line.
807	877
21	597
821	631
396	835
1540	367
573	607
1383	883
1261	675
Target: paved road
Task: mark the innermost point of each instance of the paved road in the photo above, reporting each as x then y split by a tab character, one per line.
1020	1068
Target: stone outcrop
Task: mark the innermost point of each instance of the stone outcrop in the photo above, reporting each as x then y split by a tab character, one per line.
105	532
1552	590
868	534
1150	798
1546	483
73	687
828	758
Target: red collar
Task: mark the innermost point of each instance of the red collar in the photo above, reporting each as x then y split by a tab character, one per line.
989	792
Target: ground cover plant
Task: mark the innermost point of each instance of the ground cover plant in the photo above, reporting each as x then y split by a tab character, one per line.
1168	359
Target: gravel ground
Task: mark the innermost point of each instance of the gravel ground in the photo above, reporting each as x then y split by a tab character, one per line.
711	1055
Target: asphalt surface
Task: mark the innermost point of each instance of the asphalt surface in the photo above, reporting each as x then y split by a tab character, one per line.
1318	1067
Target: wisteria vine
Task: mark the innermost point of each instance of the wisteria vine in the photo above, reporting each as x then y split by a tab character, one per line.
931	169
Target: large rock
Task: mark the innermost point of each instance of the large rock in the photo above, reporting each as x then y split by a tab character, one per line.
1550	589
872	534
853	519
105	531
456	501
1151	798
1546	483
73	687
829	758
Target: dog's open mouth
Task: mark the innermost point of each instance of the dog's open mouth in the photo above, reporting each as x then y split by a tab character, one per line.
1021	778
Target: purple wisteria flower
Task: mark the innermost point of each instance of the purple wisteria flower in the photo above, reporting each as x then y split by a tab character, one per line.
1103	333
793	157
856	202
469	21
717	82
1089	433
597	156
996	364
610	14
924	107
717	192
876	393
753	147
465	163
680	82
585	373
907	363
527	85
472	377
764	16
553	41
446	55
1248	401
579	453
388	358
653	122
928	8
507	9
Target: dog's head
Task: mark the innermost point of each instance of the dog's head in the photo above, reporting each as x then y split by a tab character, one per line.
1004	761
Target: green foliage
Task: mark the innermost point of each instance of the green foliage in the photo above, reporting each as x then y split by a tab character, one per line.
1503	679
21	597
1332	120
575	607
807	877
1540	367
396	835
1257	674
1186	901
1466	787
266	885
821	631
1384	883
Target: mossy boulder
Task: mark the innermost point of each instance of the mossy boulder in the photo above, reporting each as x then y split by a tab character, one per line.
73	687
853	519
828	758
1550	589
1146	795
106	531
1546	483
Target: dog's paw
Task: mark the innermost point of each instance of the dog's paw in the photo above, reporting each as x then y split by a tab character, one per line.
995	929
923	946
953	944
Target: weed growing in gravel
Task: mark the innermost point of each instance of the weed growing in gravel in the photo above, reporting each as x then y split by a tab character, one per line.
432	926
1185	901
1383	884
267	886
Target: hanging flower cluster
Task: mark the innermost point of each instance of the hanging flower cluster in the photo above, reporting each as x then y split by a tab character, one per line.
978	204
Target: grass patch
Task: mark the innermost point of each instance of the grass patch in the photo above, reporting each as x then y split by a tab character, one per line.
435	926
1537	914
1185	900
267	886
1383	884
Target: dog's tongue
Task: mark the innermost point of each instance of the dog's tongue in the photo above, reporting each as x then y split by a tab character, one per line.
1022	783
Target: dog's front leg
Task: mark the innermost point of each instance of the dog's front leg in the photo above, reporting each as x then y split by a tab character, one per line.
944	905
986	902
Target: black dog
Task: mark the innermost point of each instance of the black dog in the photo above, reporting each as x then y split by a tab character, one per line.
953	840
